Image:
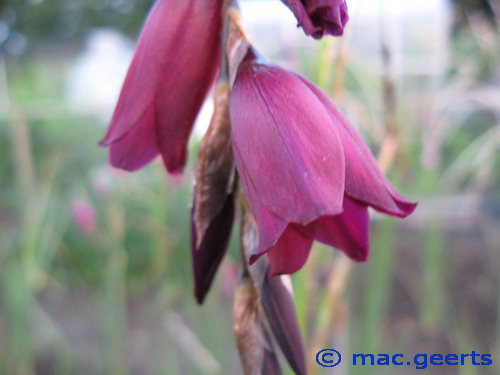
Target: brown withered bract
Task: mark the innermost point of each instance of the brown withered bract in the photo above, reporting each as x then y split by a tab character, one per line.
275	299
214	174
207	257
252	340
212	214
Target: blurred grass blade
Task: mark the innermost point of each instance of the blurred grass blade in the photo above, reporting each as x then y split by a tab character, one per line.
432	298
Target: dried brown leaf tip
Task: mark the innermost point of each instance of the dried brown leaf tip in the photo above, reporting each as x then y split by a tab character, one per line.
213	198
252	339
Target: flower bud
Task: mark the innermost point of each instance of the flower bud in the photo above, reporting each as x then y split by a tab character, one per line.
319	17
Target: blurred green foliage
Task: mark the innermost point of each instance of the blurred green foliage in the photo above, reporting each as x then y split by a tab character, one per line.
68	18
27	21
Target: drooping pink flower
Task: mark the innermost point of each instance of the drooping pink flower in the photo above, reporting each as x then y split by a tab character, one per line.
319	17
306	172
175	63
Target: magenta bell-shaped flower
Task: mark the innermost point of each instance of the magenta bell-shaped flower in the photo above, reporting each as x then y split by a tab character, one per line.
319	17
306	172
175	63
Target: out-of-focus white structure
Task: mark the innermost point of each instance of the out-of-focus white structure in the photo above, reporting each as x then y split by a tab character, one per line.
95	80
416	31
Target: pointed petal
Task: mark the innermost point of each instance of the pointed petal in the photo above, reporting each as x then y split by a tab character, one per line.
348	231
285	144
290	252
207	257
136	148
364	180
175	63
279	308
269	226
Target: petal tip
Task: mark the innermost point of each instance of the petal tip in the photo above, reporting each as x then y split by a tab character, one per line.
104	142
199	294
117	161
174	161
406	208
253	258
409	207
283	269
362	255
358	253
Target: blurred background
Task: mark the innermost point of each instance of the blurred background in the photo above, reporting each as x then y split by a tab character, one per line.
95	273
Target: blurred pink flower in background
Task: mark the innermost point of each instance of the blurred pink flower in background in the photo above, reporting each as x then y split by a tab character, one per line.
319	17
306	173
174	66
83	216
